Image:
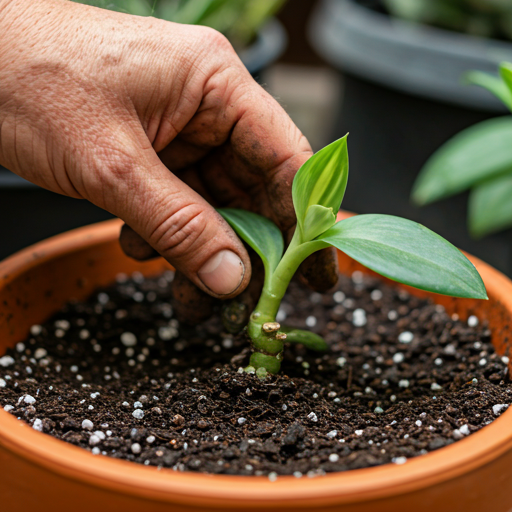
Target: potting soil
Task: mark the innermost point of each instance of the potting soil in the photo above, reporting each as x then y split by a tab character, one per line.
119	376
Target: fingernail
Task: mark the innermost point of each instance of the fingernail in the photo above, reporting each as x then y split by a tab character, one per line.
222	273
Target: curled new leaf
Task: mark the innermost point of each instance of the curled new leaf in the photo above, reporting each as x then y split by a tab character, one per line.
322	181
318	219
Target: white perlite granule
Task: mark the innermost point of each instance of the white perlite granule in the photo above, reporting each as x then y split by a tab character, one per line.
94	440
359	317
128	339
87	425
311	321
405	337
341	361
138	414
376	295
398	357
496	409
472	321
37	425
40	353
6	361
464	430
36	330
313	417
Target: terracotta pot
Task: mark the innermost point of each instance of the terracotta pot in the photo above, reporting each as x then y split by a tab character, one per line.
39	473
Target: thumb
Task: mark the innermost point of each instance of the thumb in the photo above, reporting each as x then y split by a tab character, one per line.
182	227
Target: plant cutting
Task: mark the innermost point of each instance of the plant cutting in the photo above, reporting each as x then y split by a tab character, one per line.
397	248
479	159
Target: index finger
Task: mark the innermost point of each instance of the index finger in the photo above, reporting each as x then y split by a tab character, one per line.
267	142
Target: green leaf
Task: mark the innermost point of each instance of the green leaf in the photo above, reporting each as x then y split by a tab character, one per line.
407	252
318	219
490	206
252	15
321	180
195	12
474	155
260	233
136	7
506	74
414	10
493	84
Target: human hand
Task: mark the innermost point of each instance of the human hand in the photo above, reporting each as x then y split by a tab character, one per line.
152	121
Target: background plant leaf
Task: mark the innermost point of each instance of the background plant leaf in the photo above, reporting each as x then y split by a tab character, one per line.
493	84
136	7
407	252
321	180
260	233
474	155
506	75
193	13
490	206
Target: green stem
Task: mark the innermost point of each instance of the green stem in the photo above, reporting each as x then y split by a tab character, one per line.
267	340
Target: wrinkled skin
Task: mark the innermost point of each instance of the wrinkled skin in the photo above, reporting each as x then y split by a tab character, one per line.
153	121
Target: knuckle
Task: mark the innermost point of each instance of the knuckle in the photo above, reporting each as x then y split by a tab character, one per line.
181	234
113	167
117	163
215	40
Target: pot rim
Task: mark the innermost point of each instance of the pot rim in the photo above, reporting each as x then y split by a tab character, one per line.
167	485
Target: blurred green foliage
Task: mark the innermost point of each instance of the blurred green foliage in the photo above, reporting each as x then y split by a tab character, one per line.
478	159
238	20
486	18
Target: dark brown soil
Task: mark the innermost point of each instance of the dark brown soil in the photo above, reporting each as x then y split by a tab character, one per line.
402	378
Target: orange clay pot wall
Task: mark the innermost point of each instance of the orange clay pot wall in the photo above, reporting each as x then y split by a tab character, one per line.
39	473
